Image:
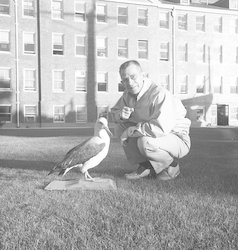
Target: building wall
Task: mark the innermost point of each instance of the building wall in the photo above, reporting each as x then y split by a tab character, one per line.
46	98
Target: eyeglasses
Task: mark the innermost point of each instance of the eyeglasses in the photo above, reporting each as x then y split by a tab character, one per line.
127	80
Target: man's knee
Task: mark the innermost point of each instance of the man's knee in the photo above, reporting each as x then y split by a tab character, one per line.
141	144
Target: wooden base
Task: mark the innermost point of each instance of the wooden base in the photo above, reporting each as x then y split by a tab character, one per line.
98	184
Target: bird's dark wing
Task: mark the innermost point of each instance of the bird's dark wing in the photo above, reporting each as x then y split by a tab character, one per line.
79	154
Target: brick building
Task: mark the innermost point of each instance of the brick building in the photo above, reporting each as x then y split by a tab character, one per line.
59	59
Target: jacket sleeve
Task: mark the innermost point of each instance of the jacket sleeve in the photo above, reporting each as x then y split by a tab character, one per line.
167	113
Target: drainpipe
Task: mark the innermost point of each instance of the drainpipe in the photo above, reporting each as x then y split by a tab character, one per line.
17	63
173	47
39	61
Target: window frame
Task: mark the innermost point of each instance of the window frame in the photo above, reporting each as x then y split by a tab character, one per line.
84	76
8	7
142	51
57	90
105	83
122	48
6	79
59	114
6	42
9	113
145	18
102	50
103	15
84	114
60	10
28	9
30	115
83	46
80	13
122	16
25	52
57	44
33	80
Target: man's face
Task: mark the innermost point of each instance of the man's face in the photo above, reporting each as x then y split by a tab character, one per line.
132	79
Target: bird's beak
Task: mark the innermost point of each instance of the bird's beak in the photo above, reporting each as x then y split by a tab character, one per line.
108	131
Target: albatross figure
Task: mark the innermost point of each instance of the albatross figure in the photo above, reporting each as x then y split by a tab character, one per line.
89	153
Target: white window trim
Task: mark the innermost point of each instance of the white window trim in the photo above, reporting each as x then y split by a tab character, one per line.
106	77
106	17
127	56
62	34
10	73
81	106
24	80
53	81
54	114
146	18
75	19
30	17
9	105
9	32
126	7
106	43
53	18
30	115
23	44
85	76
85	45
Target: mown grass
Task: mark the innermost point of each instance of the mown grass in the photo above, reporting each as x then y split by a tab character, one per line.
198	210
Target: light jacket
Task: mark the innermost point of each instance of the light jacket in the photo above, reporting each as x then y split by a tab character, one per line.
156	111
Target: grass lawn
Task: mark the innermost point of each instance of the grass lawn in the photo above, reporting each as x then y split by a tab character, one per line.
198	210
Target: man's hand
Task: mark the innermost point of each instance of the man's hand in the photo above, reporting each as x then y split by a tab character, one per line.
126	135
126	113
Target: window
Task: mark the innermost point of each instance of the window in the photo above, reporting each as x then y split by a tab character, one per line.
217	54
101	47
29	43
200	23
217	85
28	8
122	15
233	112
200	53
101	13
217	24
30	113
233	4
80	45
234	85
59	113
4	7
4	41
57	9
214	114
102	81
183	53
184	2
182	21
5	79
79	12
58	80
80	81
142	17
234	26
164	20
29	79
81	114
201	114
58	44
102	111
200	84
183	84
122	48
143	49
164	51
164	81
5	113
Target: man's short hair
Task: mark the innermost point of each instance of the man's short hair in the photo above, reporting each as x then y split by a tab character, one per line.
127	64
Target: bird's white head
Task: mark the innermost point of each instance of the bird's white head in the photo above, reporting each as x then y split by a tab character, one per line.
103	124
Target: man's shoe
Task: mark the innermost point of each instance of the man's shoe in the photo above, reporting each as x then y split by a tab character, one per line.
169	173
141	172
